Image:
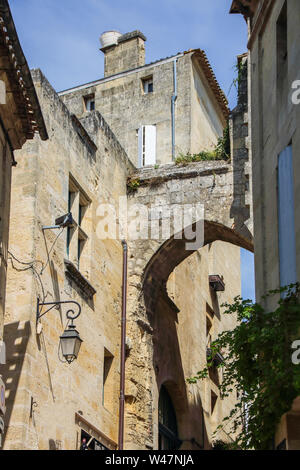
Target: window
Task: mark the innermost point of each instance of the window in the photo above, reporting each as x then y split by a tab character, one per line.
209	325
147	145
213	401
107	392
208	331
89	102
286	219
282	51
88	442
77	238
168	435
147	84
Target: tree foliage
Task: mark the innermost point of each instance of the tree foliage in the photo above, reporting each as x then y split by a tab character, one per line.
258	363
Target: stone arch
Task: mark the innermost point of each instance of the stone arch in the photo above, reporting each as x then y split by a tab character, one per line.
153	329
172	252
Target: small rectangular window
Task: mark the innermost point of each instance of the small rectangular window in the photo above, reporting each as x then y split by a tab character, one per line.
213	401
107	392
77	238
147	85
208	331
89	102
282	50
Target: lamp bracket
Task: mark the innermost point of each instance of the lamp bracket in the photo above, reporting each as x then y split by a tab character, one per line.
71	315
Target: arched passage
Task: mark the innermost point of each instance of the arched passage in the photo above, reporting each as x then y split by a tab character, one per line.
165	318
173	251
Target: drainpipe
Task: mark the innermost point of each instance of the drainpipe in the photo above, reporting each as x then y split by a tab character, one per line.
174	98
123	348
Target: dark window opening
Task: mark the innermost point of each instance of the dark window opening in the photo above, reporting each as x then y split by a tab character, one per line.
147	85
168	434
107	390
89	102
213	401
282	445
88	442
282	50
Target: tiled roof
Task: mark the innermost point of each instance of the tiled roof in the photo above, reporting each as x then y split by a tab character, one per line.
242	6
211	78
19	74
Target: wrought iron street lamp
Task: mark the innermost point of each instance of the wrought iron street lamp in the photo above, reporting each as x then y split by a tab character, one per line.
70	343
70	340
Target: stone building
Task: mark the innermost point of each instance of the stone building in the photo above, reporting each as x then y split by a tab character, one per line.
274	55
174	295
157	110
20	119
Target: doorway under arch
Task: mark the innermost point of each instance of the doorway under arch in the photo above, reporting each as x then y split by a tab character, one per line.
167	421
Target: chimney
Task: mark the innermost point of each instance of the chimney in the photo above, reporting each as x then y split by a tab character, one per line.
122	51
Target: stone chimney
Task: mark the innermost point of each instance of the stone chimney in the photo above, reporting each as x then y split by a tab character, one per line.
122	51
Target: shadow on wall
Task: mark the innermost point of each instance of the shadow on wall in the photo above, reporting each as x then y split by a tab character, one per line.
240	209
16	341
197	413
167	362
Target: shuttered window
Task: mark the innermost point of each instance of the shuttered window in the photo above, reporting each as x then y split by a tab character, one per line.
147	145
286	218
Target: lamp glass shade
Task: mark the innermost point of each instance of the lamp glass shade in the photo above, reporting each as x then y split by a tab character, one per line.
70	343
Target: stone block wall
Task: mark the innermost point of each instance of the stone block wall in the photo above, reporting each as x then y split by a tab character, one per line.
43	393
6	160
125	107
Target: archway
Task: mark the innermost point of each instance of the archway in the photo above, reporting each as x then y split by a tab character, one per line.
173	251
153	319
166	316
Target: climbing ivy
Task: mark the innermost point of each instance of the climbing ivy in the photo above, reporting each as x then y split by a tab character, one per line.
258	364
240	68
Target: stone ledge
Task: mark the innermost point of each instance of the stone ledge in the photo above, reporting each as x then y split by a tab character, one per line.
132	35
75	275
152	176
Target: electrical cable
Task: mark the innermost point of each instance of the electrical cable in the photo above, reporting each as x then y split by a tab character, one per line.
30	265
52	246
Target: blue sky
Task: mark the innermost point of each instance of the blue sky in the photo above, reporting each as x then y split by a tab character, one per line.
61	37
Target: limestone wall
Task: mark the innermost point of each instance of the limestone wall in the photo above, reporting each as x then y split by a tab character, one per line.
43	394
125	107
170	342
5	183
275	124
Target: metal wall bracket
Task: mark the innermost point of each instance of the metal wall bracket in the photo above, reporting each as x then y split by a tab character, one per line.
71	315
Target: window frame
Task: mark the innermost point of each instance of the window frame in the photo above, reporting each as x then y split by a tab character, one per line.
77	200
146	82
88	99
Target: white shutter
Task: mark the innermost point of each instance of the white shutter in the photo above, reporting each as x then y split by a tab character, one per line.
140	147
286	218
150	145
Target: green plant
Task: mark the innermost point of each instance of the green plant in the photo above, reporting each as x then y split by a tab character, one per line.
240	68
220	152
222	445
133	184
258	364
156	167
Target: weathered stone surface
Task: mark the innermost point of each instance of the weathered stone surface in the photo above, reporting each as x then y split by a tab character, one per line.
169	296
125	107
